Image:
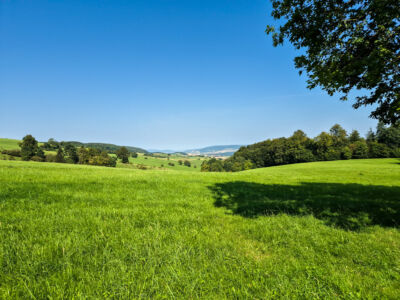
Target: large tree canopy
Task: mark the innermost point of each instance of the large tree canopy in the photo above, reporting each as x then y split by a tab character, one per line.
348	45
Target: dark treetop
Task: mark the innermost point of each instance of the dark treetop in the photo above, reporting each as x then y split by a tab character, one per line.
348	45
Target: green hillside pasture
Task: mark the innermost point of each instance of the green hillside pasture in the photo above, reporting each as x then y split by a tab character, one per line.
162	162
150	162
317	230
8	144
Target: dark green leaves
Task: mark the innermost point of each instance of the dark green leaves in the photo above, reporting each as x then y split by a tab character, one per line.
349	45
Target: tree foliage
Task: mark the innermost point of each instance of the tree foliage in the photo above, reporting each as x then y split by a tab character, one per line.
95	157
66	152
60	156
354	136
71	153
29	147
212	165
51	144
123	154
347	45
335	145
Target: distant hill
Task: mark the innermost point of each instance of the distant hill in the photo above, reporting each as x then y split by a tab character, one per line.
167	151
219	150
8	144
106	147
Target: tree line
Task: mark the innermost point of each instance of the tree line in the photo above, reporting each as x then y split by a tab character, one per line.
336	144
67	152
51	144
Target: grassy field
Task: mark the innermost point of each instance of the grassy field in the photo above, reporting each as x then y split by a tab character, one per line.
316	230
158	162
163	162
8	144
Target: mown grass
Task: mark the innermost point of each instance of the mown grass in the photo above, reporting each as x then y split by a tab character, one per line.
70	231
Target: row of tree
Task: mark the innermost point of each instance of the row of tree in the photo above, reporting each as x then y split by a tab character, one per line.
335	145
53	145
66	153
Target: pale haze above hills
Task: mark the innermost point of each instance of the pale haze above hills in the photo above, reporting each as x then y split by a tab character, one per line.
218	150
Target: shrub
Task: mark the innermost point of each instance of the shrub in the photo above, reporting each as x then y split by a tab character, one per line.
171	164
50	158
14	152
212	165
37	158
103	160
187	163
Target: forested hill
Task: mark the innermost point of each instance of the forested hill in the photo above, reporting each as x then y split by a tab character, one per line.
111	148
335	145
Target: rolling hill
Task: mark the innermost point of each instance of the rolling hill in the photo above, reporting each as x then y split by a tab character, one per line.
107	147
220	150
8	144
317	230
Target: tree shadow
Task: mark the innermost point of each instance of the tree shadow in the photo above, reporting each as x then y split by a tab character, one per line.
348	206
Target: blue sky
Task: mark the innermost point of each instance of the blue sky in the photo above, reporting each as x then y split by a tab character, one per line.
155	74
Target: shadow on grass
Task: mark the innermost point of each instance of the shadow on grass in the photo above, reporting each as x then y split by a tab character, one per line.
348	206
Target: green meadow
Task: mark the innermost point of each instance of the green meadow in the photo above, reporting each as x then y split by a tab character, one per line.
315	230
158	161
9	144
164	162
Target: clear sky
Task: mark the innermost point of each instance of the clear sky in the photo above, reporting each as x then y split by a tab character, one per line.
155	74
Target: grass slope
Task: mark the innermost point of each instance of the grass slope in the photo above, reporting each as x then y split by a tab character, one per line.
148	161
91	232
162	162
8	144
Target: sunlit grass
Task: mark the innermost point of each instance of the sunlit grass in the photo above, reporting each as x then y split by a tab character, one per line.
171	163
94	232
